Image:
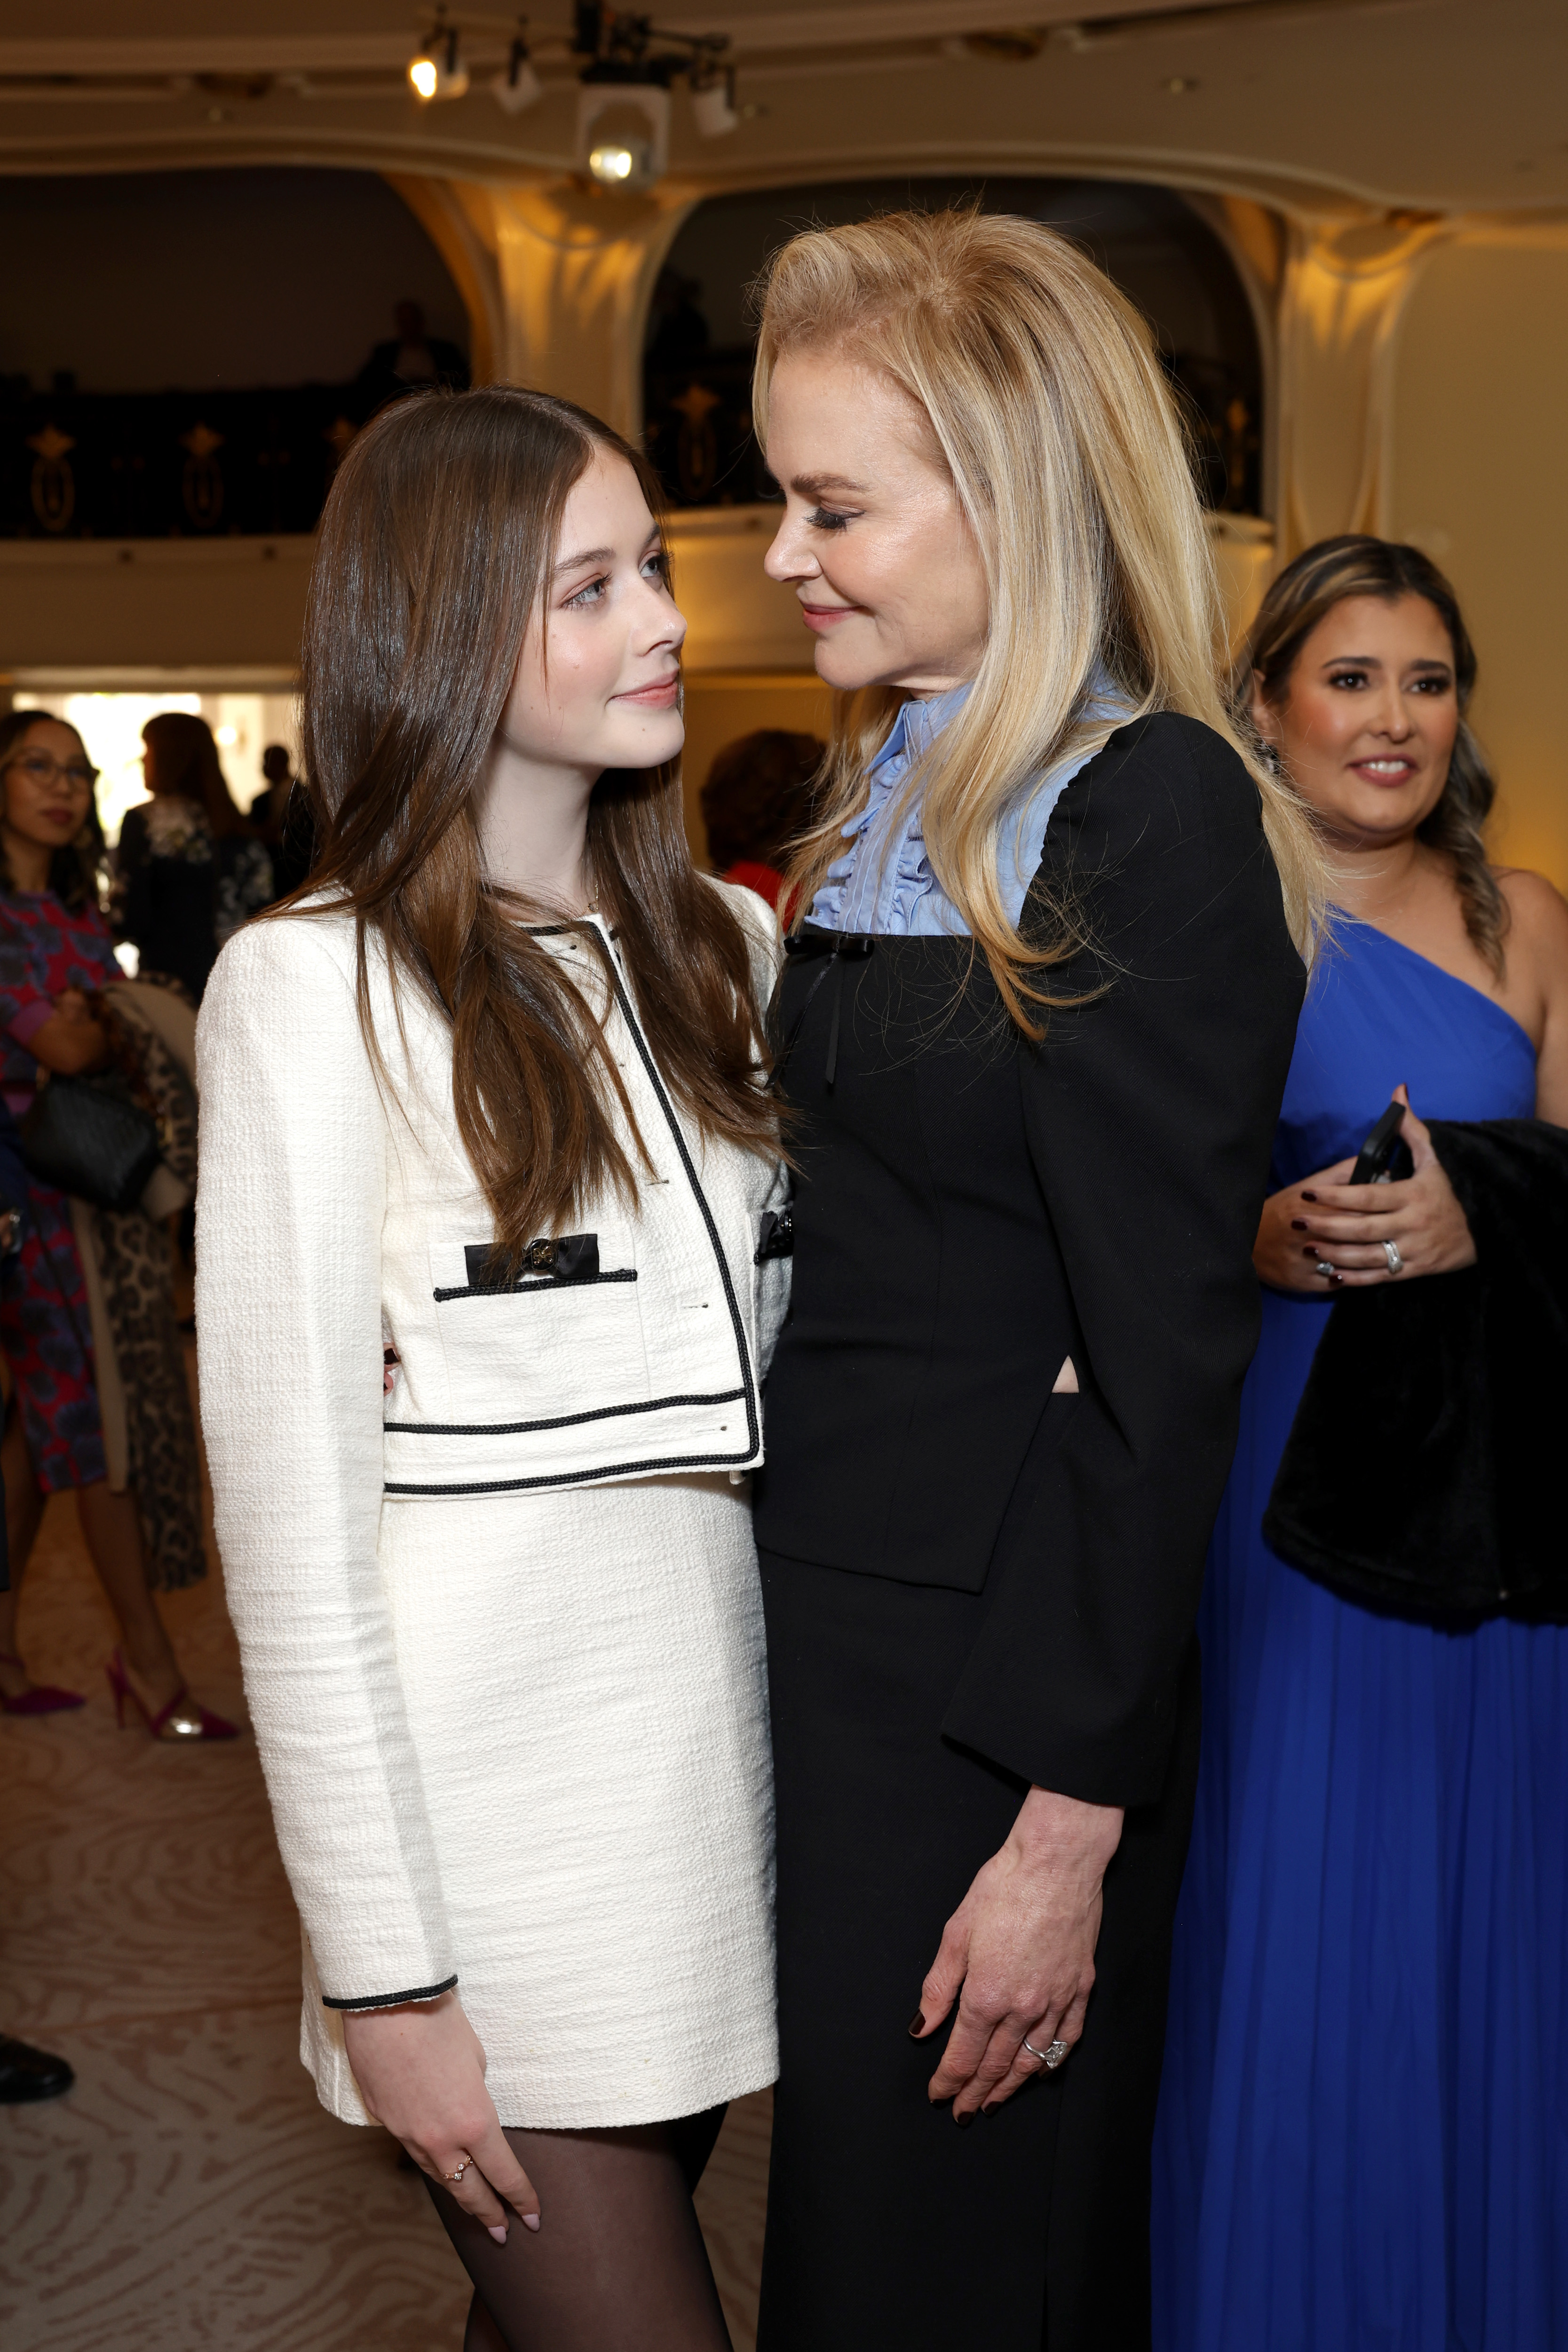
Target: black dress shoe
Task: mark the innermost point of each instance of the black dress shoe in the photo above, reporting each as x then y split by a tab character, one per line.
26	2074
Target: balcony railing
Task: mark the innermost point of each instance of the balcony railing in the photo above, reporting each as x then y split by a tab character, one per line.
698	431
170	465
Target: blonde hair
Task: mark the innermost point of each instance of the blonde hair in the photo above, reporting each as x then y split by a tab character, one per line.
1045	396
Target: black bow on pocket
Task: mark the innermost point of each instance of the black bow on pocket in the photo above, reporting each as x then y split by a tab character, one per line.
571	1257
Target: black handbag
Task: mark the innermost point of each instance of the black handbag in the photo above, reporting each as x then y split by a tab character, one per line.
83	1135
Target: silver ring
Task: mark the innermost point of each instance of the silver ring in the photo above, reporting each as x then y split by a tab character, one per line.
1050	2059
1391	1251
455	2177
1324	1269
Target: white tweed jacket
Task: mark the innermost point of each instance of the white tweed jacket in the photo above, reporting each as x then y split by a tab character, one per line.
341	1215
338	1212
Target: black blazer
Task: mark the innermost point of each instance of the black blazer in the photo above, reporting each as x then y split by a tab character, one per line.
1151	1111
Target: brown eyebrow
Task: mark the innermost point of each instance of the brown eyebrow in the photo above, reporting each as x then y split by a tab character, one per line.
589	556
602	554
811	486
1375	661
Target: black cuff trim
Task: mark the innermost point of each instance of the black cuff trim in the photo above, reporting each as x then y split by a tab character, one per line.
389	2000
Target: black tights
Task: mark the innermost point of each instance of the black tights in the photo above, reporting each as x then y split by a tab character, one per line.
618	2263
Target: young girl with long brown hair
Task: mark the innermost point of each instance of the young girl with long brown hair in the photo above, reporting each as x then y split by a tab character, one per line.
488	1099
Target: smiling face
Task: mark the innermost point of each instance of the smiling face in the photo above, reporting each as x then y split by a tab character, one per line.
873	540
1366	725
599	685
47	786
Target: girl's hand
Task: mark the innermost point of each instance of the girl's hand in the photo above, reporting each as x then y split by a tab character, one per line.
1346	1225
1021	1947
421	2072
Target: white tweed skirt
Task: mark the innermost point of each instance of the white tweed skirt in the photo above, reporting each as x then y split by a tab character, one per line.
586	1688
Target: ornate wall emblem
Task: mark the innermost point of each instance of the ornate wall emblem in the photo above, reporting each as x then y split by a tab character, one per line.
203	483
696	444
54	485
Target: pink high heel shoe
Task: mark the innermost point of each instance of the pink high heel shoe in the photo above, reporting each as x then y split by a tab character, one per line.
44	1698
182	1720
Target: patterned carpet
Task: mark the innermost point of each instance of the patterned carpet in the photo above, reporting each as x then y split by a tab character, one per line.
190	2193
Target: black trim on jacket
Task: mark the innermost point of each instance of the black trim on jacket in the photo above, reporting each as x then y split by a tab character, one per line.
745	1393
391	1999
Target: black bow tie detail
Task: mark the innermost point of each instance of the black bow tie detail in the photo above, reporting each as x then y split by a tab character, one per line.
837	948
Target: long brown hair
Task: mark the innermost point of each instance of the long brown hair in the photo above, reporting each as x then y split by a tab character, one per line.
434	550
1306	592
188	767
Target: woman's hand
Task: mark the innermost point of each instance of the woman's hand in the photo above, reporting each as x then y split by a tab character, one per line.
1021	1946
1345	1226
421	2072
71	1041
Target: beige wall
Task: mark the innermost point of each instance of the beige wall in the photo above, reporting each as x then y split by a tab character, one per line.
1478	476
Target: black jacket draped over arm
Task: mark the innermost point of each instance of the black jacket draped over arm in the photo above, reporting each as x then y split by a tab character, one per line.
1421	1473
1150	1109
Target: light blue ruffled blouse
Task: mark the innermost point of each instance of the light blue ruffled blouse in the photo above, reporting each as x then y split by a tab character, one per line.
883	881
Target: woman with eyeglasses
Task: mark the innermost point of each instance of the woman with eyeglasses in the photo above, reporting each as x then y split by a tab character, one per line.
55	958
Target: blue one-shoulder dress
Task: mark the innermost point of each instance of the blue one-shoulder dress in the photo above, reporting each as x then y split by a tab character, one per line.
1363	2137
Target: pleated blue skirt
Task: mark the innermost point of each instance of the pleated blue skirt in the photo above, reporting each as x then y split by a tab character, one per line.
1363	2142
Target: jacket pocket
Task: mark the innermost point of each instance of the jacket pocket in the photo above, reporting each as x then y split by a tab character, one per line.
556	1339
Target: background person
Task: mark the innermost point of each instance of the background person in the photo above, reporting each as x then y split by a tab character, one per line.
282	815
411	361
757	802
1361	2128
56	959
188	869
26	2074
1035	1031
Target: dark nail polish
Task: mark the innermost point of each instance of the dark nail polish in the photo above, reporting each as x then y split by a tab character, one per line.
1312	1253
1309	1196
1297	1224
985	2111
917	2023
964	2122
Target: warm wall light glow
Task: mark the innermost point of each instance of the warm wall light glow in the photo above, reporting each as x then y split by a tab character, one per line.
612	164
423	75
225	735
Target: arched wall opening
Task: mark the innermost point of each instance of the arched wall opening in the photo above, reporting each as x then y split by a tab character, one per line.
183	357
1151	241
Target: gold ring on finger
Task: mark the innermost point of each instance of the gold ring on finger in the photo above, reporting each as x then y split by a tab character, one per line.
455	2177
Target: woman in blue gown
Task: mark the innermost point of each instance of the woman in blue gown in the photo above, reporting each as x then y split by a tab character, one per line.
1363	2140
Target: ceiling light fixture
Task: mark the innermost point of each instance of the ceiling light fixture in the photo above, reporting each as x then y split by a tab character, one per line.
438	70
714	109
624	92
519	85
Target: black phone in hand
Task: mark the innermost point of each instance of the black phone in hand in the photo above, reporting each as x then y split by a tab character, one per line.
1384	1157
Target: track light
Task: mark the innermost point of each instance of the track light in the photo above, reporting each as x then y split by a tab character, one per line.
623	133
438	72
519	85
714	109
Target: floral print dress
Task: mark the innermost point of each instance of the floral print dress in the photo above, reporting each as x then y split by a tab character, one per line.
45	1325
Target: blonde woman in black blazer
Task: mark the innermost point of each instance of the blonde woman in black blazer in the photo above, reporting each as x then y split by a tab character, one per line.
1034	1035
